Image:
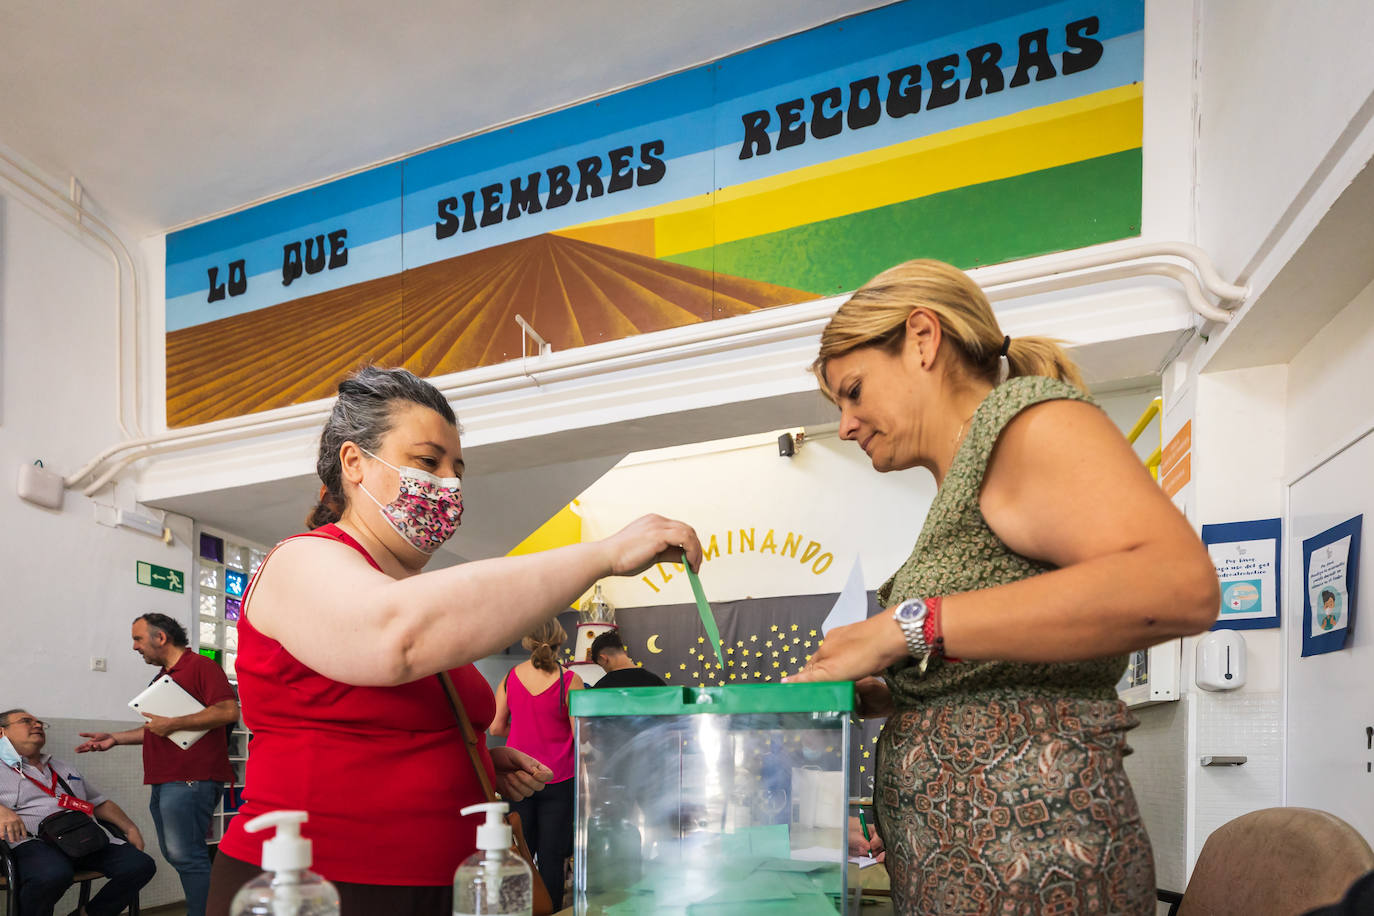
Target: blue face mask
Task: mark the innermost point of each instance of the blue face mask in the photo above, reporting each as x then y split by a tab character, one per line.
8	755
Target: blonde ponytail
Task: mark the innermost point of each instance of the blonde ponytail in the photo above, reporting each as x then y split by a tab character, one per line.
875	316
543	644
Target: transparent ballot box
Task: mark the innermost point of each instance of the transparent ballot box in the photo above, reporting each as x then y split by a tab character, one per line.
712	800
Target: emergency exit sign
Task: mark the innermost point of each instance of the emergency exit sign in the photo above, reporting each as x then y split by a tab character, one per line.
173	580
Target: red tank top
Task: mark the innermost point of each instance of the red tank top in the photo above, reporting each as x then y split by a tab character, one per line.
383	771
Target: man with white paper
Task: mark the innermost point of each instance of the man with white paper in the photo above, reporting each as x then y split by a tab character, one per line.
186	783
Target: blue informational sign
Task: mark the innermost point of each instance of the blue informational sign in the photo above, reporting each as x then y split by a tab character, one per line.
1246	556
1330	575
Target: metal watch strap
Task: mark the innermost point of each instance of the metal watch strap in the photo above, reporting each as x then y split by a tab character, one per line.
914	632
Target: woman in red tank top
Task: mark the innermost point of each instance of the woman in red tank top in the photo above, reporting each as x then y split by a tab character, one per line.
341	638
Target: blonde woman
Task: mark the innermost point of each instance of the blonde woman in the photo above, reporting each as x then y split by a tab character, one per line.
1048	554
532	709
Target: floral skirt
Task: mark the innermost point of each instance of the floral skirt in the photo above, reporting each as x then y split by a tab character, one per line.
1011	805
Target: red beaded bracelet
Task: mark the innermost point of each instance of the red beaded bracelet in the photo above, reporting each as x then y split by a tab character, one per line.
933	628
930	631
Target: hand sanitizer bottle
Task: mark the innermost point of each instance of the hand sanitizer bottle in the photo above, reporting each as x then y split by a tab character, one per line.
288	887
494	879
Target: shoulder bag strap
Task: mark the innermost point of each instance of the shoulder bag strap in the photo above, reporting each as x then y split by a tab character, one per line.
66	788
470	736
543	903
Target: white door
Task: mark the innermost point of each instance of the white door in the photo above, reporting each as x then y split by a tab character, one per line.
1329	761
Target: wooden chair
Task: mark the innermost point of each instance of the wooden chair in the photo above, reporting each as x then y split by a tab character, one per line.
10	878
1282	861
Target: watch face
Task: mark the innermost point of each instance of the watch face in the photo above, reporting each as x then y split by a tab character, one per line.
910	610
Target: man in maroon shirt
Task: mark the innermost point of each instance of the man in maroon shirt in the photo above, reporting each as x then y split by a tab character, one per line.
186	783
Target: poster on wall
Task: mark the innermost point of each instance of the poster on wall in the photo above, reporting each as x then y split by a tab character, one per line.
1246	557
1330	574
975	133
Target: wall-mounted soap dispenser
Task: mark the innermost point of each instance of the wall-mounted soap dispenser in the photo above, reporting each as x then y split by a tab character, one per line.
1220	661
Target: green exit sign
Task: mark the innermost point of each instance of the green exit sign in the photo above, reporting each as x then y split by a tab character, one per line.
173	580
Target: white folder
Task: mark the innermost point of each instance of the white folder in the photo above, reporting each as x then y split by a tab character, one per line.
165	697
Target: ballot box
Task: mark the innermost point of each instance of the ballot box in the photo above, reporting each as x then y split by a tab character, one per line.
712	800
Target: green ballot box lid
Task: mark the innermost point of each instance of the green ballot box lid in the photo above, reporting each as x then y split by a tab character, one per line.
828	696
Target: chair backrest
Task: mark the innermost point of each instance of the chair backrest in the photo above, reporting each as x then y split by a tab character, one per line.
1276	860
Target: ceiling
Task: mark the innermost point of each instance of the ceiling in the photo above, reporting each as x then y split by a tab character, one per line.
168	112
512	487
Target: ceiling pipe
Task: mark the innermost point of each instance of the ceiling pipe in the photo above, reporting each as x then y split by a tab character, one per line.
1000	282
68	207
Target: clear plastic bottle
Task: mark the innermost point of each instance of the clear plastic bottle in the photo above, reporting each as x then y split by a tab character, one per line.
493	879
287	887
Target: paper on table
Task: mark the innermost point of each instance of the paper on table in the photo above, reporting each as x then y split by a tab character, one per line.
852	604
708	620
863	861
764	840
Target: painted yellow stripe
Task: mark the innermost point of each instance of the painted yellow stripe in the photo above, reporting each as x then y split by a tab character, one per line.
1028	141
564	528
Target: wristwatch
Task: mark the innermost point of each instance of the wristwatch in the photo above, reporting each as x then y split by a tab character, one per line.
911	617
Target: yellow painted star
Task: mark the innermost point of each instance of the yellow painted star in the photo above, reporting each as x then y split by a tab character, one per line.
774	628
794	628
701	639
754	638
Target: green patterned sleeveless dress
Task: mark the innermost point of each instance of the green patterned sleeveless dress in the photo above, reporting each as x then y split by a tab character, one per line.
999	787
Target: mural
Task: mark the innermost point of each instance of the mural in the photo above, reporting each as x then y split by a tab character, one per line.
975	134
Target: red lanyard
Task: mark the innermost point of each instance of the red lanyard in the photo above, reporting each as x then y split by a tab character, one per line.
48	790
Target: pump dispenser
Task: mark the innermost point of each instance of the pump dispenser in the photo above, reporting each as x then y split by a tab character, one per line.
287	887
493	879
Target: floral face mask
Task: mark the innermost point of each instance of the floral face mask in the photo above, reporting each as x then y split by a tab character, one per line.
426	511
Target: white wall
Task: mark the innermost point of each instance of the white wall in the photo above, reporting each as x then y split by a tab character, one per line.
1281	91
69	591
1331	385
1278	85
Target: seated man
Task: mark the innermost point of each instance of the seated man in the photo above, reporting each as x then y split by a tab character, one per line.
621	671
31	788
